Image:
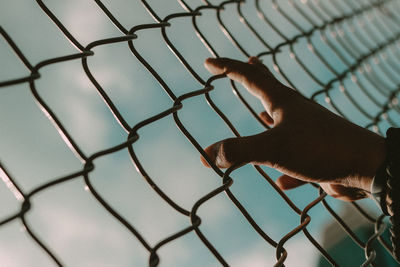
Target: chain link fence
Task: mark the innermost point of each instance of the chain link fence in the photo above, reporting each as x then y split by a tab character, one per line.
356	42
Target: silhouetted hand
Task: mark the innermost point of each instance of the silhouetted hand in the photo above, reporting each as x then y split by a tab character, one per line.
307	143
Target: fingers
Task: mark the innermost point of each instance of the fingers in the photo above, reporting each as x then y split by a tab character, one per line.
236	70
242	150
286	182
253	75
344	193
255	61
266	118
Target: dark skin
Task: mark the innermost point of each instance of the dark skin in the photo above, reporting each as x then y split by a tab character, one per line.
307	143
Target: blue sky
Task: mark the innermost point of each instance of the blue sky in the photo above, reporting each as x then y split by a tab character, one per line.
67	217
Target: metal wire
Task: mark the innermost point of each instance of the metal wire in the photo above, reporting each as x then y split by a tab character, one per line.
369	22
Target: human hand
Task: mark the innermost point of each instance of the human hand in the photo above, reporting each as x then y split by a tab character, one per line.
307	143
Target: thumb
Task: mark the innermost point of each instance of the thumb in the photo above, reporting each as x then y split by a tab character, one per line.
240	150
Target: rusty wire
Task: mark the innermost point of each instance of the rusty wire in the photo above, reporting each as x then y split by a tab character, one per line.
368	17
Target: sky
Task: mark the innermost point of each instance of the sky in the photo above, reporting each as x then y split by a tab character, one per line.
68	218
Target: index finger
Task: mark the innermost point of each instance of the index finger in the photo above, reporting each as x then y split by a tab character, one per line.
258	81
236	70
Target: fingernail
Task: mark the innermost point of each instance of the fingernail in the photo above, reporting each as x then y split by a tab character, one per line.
204	161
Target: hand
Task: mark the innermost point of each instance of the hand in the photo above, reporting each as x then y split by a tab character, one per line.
307	143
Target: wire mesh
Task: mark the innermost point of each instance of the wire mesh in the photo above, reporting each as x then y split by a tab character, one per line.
363	35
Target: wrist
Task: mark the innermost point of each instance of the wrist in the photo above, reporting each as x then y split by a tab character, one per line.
372	160
385	186
379	190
